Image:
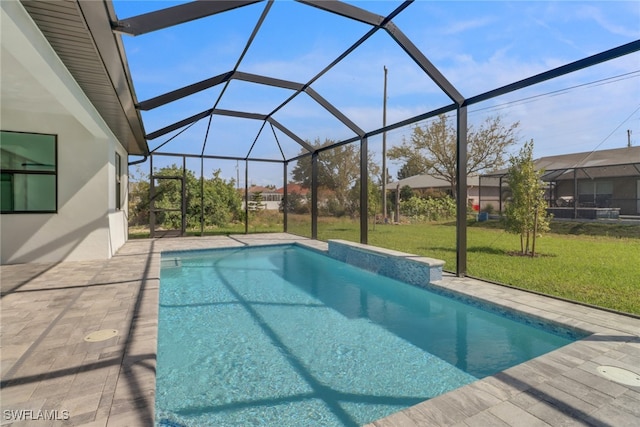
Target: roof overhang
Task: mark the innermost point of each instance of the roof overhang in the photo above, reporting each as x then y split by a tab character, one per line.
611	163
80	33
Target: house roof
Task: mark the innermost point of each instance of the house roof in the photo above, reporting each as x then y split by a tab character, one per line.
294	188
616	162
261	189
81	35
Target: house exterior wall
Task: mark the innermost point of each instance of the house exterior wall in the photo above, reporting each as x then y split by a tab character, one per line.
46	99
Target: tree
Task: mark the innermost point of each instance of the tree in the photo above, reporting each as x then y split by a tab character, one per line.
338	174
406	192
295	203
222	203
526	212
138	198
168	195
257	202
413	166
432	149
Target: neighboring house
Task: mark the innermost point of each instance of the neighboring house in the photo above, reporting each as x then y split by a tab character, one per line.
430	183
604	183
65	144
294	188
270	197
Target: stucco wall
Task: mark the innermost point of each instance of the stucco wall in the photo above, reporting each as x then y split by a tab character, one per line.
39	95
83	228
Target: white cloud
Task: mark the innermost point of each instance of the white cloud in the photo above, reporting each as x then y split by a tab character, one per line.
595	14
463	26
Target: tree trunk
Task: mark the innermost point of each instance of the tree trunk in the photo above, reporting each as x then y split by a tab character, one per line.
535	231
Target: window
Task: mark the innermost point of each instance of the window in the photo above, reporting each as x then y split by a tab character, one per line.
28	166
595	193
118	182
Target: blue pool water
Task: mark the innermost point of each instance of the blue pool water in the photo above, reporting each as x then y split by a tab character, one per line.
285	336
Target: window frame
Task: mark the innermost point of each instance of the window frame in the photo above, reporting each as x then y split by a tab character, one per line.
54	172
118	173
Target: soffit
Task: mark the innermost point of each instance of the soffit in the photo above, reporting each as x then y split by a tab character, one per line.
80	33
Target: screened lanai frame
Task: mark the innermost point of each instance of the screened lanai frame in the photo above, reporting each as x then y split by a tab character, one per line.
183	13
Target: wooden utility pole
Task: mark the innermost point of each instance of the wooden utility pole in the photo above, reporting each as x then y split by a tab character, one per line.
384	149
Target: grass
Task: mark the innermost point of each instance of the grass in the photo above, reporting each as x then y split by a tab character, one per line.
593	263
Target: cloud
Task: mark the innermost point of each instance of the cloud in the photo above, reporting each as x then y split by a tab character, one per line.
463	26
556	33
595	14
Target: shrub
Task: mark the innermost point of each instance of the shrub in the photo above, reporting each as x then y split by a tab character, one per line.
420	209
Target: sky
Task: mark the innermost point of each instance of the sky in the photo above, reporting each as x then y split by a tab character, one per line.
477	46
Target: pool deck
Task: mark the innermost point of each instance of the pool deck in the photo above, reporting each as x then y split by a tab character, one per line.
48	309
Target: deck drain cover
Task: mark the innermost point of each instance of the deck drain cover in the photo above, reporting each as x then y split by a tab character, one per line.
102	335
619	375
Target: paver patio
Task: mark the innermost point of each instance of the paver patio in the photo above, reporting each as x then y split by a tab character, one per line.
50	371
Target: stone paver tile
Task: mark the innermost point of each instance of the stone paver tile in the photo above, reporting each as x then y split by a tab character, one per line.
98	422
548	366
16	394
399	419
518	379
484	419
423	414
80	419
514	416
589	378
70	362
88	382
498	387
82	404
12	352
445	408
631	360
128	419
143	407
470	401
561	357
567	403
555	416
610	415
629	402
580	351
53	387
525	400
582	391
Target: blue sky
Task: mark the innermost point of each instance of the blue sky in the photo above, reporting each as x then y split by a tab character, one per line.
476	45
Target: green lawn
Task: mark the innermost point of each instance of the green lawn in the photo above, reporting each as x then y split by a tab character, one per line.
593	263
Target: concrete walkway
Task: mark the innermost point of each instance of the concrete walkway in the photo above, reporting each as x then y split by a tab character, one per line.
51	376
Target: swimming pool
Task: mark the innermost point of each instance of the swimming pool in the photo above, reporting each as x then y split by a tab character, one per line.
283	335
